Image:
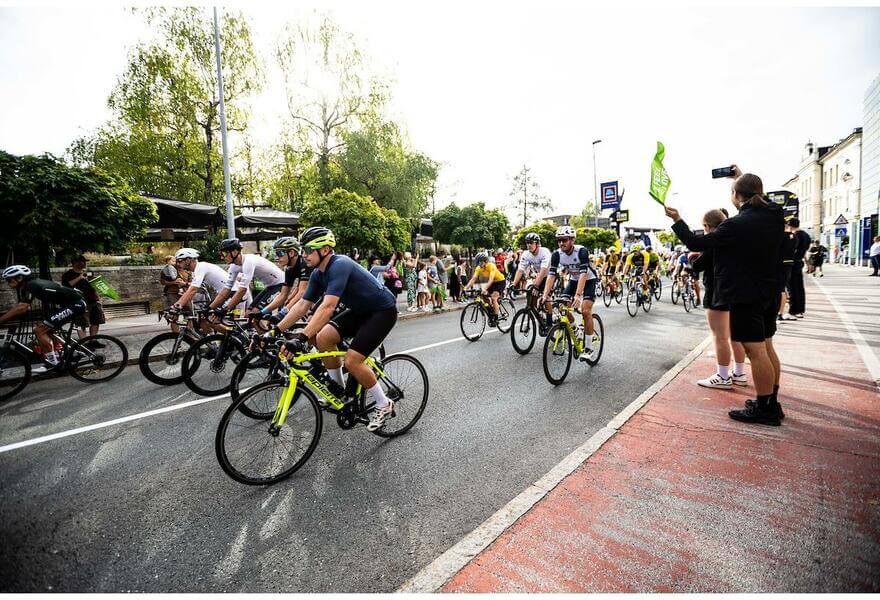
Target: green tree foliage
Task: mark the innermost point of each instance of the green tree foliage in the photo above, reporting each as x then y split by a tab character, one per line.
586	218
357	221
595	238
668	237
526	196
472	226
164	138
546	229
49	205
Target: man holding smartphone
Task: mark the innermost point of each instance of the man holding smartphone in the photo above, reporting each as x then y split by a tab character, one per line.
77	277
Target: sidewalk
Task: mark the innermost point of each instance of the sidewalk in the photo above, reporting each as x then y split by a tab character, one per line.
683	499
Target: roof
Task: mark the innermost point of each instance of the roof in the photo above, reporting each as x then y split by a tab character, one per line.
267	217
177	214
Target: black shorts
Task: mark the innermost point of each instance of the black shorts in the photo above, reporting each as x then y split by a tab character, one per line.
753	322
785	277
367	330
265	297
65	314
94	315
589	288
498	286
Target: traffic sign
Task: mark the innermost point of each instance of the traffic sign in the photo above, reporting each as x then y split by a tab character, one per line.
839	231
609	195
841	220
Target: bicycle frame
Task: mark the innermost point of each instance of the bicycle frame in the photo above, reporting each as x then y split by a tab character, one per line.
567	317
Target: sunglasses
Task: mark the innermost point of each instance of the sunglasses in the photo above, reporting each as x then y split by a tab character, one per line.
561	241
280	253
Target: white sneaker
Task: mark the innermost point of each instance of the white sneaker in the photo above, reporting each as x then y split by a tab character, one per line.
788	317
799	316
377	421
426	309
741	380
717	382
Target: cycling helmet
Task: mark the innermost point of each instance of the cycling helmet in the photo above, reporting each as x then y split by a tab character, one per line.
533	237
636	248
318	237
186	253
611	249
565	231
287	242
480	258
230	244
16	270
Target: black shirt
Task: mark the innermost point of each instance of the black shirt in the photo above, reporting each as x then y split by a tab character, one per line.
48	292
296	272
83	286
801	247
789	247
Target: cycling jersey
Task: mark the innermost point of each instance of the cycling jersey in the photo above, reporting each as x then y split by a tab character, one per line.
254	267
638	259
537	261
612	259
352	284
49	292
211	276
488	272
653	258
297	271
575	263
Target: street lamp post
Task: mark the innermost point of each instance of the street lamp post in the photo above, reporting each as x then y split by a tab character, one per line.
596	184
230	216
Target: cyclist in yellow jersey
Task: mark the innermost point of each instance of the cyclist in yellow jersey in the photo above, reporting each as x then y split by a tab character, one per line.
639	260
612	260
492	280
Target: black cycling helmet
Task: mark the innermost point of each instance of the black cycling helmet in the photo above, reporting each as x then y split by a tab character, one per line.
533	237
229	245
318	237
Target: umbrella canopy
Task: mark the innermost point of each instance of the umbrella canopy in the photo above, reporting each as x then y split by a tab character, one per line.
267	218
177	214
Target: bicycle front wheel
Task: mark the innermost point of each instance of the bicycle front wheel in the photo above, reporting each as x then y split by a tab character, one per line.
686	300
558	349
404	381
675	292
473	321
161	359
646	300
599	344
15	373
524	331
209	363
658	288
257	451
96	358
632	301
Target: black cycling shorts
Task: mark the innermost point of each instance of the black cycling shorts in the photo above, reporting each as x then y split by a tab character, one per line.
754	322
589	288
65	314
265	297
498	286
367	330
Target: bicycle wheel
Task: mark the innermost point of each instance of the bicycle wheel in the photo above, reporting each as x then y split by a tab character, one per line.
599	345
524	330
646	299
618	293
255	451
607	297
252	370
557	354
632	301
686	298
161	359
209	363
473	321
506	310
405	381
658	289
96	358
675	292
15	373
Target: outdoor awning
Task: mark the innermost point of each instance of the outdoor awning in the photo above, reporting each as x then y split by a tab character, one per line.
267	218
426	228
169	234
177	214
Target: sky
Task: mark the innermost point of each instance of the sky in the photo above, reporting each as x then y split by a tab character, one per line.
486	88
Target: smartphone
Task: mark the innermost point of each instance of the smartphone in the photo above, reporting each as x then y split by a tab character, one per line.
722	172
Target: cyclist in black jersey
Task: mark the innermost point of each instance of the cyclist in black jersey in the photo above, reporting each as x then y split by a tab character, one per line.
67	304
296	277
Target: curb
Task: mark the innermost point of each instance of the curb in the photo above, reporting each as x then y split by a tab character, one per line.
405	316
433	576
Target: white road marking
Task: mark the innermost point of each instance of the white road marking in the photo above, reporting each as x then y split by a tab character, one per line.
159	411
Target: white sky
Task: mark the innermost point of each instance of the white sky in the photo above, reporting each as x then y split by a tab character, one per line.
484	88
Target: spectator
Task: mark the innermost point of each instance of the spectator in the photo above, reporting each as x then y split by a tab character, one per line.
746	277
391	274
789	245
443	273
377	268
874	255
172	282
454	279
422	289
411	276
435	282
501	260
718	317
797	297
93	318
817	255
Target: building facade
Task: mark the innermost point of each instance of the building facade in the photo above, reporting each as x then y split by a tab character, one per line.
867	225
807	185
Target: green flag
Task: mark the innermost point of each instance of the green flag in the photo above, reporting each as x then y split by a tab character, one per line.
104	288
659	178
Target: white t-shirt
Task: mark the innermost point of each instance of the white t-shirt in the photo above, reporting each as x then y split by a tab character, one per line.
215	277
538	261
253	267
875	249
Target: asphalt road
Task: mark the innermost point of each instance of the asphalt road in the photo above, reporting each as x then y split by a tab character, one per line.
144	506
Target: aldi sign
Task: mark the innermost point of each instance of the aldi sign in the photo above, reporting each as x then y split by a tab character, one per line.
609	193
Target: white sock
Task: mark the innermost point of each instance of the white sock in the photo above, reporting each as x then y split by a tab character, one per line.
724	371
739	368
376	394
336	375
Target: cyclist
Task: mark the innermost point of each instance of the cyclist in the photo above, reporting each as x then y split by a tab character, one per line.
370	314
612	261
492	280
581	282
296	276
68	303
638	260
537	258
203	274
653	264
250	266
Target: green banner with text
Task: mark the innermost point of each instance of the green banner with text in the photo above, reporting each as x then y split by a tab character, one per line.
659	178
104	288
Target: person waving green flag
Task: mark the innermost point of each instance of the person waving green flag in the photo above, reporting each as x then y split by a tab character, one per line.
659	178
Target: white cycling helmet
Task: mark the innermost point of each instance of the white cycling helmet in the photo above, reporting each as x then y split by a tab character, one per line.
186	253
565	231
15	271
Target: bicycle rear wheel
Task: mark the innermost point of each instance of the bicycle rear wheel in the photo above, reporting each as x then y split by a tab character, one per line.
473	321
209	363
15	373
405	381
558	349
256	451
506	309
96	358
161	359
255	368
524	331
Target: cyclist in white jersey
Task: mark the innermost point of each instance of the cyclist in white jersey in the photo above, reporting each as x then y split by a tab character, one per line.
204	273
536	257
581	283
250	266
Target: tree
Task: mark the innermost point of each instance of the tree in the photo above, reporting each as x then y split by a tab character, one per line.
164	138
587	217
472	226
594	238
49	205
526	195
546	229
357	221
667	237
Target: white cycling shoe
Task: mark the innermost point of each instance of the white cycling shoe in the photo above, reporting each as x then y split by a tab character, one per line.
380	416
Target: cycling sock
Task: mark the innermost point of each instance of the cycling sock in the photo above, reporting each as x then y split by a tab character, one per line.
724	371
336	375
739	369
376	394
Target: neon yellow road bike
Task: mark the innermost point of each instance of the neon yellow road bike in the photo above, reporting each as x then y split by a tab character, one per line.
566	339
274	427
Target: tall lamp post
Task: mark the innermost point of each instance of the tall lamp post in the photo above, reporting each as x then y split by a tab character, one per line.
596	184
230	216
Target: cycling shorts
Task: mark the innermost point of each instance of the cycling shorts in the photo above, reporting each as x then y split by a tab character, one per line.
498	286
366	330
65	314
589	288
